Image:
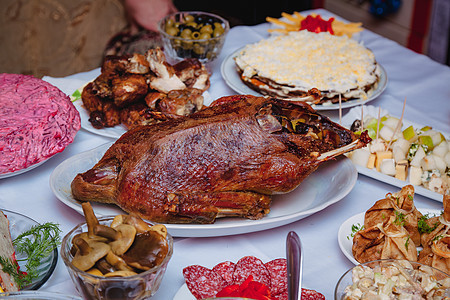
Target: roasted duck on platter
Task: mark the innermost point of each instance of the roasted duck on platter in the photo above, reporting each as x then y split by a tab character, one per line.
225	160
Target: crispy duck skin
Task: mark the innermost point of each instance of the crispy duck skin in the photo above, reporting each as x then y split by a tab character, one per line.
225	160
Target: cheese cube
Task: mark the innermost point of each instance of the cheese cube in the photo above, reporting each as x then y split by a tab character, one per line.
380	156
387	166
401	170
371	161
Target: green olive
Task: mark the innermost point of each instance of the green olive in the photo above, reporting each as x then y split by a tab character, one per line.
192	24
206	29
217	32
195	35
186	33
198	49
205	36
187	45
170	22
172	31
189	18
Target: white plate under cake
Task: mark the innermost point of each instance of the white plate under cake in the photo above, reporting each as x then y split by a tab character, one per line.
312	67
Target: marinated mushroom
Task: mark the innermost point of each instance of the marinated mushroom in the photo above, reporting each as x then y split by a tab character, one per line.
88	253
148	250
121	237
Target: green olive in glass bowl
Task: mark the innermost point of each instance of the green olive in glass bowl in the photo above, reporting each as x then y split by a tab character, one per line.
193	34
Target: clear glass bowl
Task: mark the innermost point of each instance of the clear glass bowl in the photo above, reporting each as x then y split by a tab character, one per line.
347	280
143	285
19	224
178	48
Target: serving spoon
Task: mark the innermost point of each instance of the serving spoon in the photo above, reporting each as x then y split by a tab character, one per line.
294	259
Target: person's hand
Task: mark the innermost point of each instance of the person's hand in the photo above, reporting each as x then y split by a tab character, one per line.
147	13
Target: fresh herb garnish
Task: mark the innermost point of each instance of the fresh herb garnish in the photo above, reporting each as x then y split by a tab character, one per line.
422	224
355	228
75	96
36	243
399	219
407	243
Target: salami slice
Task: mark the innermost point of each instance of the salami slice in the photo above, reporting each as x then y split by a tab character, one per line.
278	275
203	282
226	270
282	296
250	265
311	295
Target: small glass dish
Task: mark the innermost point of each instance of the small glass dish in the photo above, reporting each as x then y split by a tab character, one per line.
387	275
140	286
179	46
19	224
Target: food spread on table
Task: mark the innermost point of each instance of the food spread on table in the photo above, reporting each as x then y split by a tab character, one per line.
394	229
239	151
416	154
181	162
248	277
144	89
318	68
37	120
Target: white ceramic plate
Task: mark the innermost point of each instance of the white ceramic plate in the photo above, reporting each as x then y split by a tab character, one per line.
184	294
355	113
116	131
345	230
332	181
18	172
233	80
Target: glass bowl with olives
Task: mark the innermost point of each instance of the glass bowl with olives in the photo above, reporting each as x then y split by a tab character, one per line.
193	34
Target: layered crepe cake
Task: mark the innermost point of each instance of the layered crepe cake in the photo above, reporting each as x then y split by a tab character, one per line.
318	68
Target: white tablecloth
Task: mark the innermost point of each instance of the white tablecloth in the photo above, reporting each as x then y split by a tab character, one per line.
424	83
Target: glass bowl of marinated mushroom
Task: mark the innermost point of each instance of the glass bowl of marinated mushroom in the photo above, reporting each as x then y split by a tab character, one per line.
393	279
193	34
116	257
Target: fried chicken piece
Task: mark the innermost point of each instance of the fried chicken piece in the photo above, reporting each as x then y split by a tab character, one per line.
181	102
140	114
193	74
128	88
166	79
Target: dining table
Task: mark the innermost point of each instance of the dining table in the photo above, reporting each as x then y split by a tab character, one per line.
417	88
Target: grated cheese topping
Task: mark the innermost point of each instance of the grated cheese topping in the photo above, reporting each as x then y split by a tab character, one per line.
311	60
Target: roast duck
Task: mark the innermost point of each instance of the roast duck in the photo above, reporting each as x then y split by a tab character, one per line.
225	160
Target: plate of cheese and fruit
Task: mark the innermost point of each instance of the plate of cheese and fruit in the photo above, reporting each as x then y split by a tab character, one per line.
401	152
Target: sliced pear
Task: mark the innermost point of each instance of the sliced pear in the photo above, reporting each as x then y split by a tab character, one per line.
420	154
426	141
415	175
361	156
440	163
441	149
410	134
428	163
387	167
391	122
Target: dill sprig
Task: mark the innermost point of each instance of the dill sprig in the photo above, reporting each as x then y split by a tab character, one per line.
355	228
423	226
36	243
